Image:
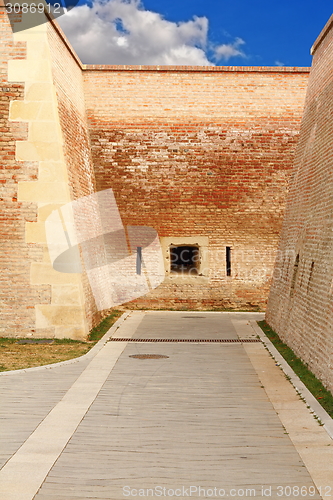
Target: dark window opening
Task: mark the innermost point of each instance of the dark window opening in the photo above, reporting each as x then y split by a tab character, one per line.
184	259
228	260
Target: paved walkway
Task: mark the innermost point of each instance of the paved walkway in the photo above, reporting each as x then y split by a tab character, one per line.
206	420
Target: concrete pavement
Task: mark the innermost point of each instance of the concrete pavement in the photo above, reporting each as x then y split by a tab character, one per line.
206	420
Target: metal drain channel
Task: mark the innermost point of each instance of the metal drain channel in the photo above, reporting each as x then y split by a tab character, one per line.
221	341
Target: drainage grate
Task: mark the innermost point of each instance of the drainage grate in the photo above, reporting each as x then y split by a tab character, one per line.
148	356
224	341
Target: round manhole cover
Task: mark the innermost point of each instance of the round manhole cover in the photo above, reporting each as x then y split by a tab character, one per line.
148	356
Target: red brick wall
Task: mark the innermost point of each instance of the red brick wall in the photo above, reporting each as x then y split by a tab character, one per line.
17	296
200	152
300	304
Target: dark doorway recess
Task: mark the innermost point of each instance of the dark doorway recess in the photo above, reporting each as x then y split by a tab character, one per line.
184	259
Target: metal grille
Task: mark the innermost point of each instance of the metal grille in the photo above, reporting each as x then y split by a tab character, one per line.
223	341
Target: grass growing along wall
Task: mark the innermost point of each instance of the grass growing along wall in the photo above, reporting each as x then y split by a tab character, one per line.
101	329
323	395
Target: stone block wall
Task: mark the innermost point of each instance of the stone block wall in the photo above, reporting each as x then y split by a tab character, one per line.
38	177
300	305
17	296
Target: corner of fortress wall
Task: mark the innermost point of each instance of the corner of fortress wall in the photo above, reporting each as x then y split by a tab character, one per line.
39	169
300	306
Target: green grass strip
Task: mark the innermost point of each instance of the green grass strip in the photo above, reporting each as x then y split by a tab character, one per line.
101	329
323	396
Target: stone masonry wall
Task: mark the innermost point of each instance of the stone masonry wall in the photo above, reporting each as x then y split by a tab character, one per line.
300	305
17	296
200	153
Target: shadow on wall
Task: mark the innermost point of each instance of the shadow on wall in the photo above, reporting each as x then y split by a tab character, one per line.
122	263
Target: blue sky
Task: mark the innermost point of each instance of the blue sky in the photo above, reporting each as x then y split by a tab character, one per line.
220	32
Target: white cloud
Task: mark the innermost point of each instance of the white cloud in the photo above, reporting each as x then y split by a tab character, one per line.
226	51
279	63
123	32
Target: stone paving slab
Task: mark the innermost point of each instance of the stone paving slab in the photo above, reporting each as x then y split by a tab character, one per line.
25	471
26	399
28	395
202	417
199	416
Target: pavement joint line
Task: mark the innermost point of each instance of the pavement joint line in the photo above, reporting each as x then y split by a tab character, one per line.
301	389
170	340
23	474
189	311
90	354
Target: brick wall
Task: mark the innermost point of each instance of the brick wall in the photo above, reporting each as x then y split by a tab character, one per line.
300	304
17	296
202	155
200	152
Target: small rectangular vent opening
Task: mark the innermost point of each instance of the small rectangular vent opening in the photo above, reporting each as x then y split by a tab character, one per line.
228	260
138	260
